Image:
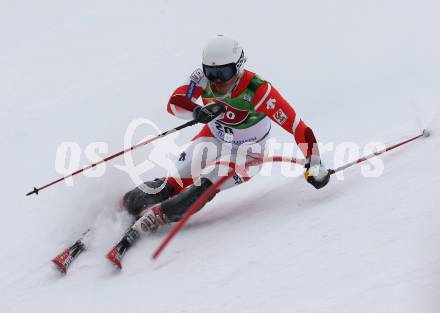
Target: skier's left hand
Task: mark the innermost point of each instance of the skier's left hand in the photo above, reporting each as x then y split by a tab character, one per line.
316	173
208	112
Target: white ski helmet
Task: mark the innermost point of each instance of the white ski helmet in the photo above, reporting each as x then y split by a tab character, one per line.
221	53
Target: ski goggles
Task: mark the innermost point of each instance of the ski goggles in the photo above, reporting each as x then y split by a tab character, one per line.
221	72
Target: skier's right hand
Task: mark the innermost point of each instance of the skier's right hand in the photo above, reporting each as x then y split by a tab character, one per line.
316	173
208	112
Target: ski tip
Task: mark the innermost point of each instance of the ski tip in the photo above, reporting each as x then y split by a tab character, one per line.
62	261
426	133
59	265
112	256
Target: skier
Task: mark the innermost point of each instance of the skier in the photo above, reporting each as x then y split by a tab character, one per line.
238	107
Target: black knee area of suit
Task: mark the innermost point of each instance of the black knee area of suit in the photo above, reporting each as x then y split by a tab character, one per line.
175	207
136	200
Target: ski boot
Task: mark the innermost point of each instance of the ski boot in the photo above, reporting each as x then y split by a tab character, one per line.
148	223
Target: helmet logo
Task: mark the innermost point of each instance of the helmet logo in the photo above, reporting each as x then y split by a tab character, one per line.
240	60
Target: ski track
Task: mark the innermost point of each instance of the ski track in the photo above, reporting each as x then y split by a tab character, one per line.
83	72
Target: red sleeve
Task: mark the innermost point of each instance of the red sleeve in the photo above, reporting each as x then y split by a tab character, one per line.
176	109
269	101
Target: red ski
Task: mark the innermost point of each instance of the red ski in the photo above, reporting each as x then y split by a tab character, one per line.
116	254
63	260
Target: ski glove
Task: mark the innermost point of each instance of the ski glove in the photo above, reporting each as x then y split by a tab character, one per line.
316	173
209	112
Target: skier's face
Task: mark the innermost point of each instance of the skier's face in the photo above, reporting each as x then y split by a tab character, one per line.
223	87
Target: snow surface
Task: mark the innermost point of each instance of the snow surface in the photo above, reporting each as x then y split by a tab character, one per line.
357	71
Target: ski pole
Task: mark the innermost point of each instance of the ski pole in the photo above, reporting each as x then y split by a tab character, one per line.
205	196
425	133
143	143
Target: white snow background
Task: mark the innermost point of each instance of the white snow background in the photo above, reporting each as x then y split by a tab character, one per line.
356	71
